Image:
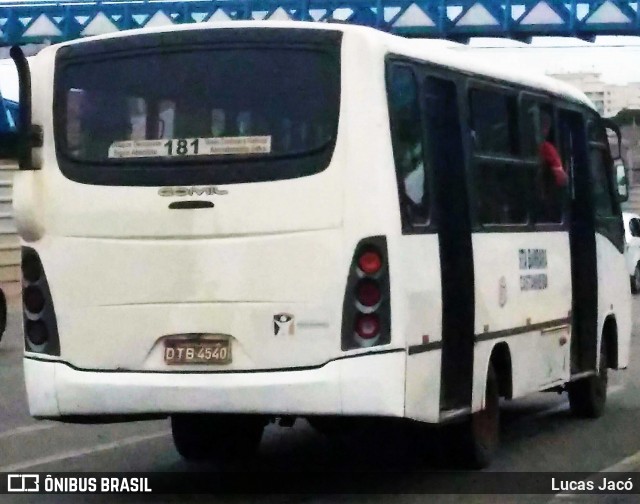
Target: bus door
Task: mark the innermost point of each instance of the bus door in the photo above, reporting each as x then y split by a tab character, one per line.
429	159
583	243
446	151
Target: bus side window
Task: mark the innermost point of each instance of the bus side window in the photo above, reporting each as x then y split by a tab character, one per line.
600	167
406	132
540	144
602	201
493	117
502	180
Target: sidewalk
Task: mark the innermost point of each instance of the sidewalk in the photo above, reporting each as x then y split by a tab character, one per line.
12	291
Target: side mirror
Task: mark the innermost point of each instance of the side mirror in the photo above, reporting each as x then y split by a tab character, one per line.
610	125
29	136
622	182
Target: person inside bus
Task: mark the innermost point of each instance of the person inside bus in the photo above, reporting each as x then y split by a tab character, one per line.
549	153
412	172
553	178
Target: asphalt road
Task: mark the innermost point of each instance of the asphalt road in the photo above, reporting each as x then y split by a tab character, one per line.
538	435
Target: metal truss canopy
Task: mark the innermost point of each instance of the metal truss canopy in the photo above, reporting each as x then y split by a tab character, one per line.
42	22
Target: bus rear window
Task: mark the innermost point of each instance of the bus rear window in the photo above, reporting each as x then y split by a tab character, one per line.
209	115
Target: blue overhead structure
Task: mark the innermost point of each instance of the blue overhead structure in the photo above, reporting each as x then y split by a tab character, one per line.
40	21
8	114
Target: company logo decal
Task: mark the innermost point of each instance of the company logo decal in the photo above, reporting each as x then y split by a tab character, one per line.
283	323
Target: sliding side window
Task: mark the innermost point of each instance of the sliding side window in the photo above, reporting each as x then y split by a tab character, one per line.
501	179
408	149
606	209
601	173
542	147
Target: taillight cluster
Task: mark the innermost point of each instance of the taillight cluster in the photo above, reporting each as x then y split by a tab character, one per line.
40	327
366	313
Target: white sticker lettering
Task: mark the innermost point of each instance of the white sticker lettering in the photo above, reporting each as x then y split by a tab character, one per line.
180	147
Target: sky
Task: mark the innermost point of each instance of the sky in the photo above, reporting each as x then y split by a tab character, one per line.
616	58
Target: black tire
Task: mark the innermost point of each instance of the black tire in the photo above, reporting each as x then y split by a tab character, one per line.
635	280
3	313
588	396
478	437
217	438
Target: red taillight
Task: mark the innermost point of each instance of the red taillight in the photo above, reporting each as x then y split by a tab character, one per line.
370	262
367	326
366	308
368	293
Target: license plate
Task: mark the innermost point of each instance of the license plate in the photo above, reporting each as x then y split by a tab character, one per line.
201	350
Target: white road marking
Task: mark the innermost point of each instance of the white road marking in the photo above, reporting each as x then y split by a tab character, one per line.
573	496
615	389
27	464
629	464
26	429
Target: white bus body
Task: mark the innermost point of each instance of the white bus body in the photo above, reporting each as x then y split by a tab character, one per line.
271	264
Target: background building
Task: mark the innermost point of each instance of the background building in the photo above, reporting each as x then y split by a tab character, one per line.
609	99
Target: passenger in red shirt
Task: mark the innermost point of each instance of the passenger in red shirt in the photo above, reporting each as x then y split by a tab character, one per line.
550	155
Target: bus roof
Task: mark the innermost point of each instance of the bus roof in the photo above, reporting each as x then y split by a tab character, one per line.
436	51
466	59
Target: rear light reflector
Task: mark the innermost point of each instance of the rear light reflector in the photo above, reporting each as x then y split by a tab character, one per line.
31	269
367	326
370	262
37	332
368	293
33	299
40	327
366	306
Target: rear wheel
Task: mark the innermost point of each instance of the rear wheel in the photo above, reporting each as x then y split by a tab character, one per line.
588	396
478	437
220	438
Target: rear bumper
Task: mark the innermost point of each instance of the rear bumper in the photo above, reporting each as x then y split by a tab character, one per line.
370	384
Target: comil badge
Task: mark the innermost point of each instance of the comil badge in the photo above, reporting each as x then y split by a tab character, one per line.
283	323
